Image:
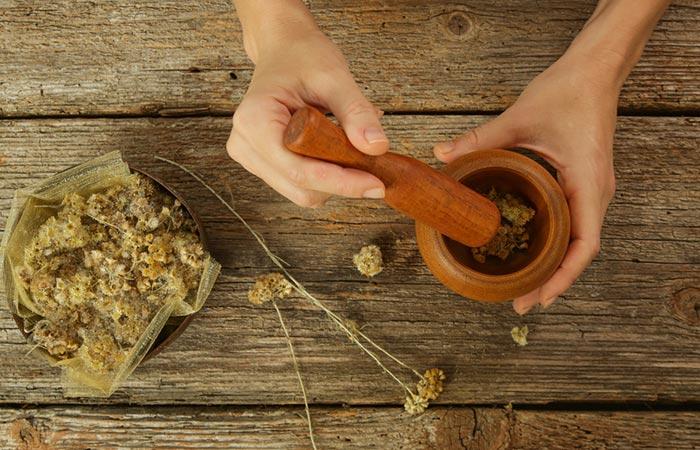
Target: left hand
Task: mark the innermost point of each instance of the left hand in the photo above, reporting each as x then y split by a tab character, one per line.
567	115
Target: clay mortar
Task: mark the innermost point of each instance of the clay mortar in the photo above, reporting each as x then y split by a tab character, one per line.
495	280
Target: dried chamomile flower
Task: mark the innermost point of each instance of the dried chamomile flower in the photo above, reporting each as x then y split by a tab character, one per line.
519	335
430	386
100	269
369	260
58	341
100	352
512	234
415	404
272	286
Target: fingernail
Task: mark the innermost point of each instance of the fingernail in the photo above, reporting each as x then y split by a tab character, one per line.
547	303
446	147
374	193
375	135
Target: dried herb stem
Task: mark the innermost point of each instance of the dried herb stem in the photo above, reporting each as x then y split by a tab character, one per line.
296	369
279	262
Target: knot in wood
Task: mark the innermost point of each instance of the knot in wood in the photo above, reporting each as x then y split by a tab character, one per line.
685	305
459	24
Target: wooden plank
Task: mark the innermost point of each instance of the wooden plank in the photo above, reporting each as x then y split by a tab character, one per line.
342	428
627	331
171	57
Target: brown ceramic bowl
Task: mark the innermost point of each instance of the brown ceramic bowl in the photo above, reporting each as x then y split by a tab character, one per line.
175	325
496	280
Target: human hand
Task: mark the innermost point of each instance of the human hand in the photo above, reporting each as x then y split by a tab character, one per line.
292	72
567	115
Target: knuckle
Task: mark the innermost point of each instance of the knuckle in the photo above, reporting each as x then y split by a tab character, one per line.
612	186
359	106
232	149
242	118
297	176
346	189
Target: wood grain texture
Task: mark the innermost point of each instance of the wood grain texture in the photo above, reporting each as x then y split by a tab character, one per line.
620	334
169	57
342	428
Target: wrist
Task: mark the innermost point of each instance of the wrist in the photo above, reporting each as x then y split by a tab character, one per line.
612	41
273	26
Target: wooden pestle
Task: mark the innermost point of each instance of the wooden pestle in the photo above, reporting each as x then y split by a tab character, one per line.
412	187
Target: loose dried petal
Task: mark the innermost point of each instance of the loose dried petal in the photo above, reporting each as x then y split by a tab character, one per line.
519	335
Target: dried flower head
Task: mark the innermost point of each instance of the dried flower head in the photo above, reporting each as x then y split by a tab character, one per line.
519	335
100	269
272	286
369	260
430	386
415	404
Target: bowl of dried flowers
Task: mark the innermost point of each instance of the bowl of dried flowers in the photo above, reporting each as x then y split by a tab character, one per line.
103	266
531	240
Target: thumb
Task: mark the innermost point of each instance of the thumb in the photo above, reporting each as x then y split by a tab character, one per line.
497	133
360	120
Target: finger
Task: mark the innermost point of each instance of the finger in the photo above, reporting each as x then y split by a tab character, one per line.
321	176
316	175
578	257
239	150
523	304
586	221
497	133
358	117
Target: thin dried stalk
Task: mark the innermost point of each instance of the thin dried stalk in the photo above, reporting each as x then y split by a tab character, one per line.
279	262
296	369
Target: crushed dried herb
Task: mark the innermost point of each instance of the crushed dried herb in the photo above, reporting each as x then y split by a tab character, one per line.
369	260
512	234
101	268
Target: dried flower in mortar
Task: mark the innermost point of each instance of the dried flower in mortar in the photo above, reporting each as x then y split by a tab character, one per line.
100	269
272	286
519	335
429	388
369	260
512	234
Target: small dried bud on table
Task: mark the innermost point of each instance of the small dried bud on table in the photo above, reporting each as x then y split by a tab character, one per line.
369	260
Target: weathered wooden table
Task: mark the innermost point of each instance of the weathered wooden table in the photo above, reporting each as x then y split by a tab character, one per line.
615	363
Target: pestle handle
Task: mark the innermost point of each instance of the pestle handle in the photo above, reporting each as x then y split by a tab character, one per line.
412	187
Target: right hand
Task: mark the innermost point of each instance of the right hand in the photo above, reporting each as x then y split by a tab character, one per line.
306	70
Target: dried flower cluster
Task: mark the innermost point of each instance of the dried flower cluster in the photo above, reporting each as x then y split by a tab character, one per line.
269	287
100	269
368	261
429	388
519	335
512	234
